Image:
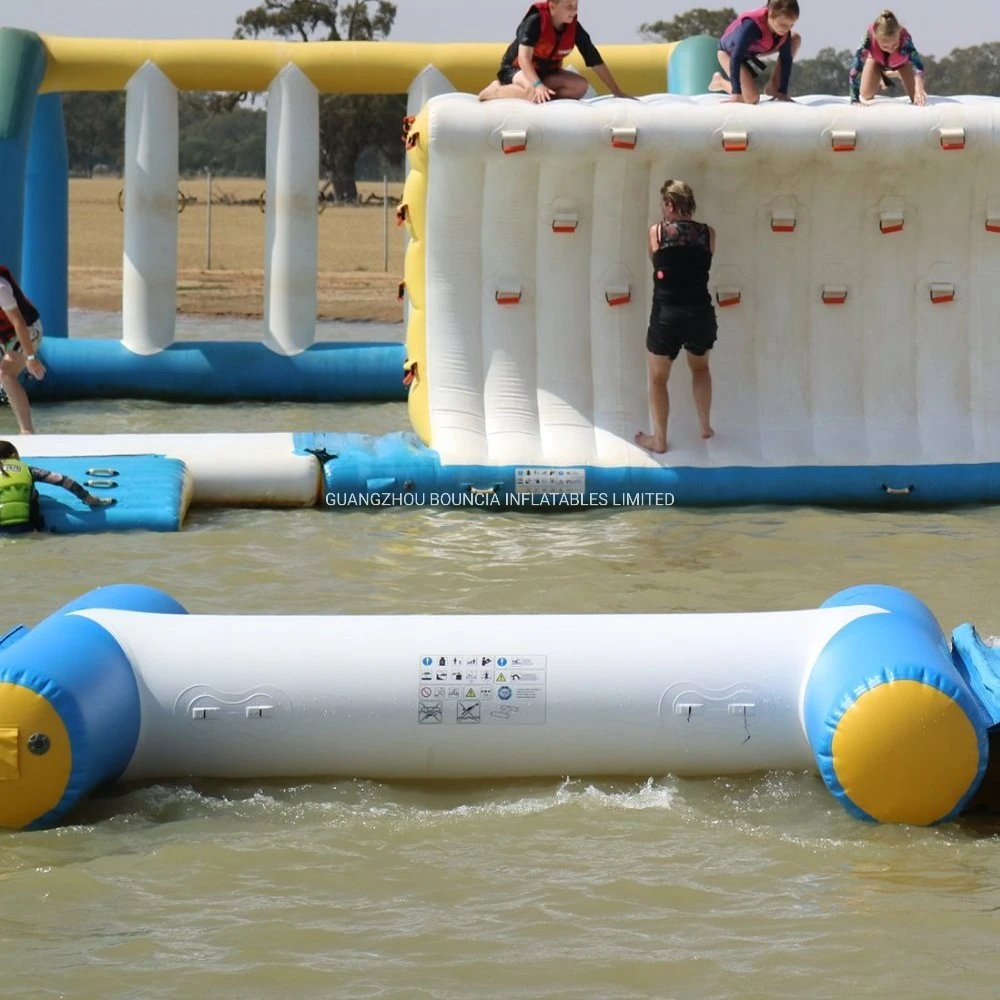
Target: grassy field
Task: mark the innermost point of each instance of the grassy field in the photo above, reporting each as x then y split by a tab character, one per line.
352	283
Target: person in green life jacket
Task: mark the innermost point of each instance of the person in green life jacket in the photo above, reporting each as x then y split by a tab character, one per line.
19	498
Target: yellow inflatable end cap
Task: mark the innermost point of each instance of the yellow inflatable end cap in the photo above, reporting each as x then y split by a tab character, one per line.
906	752
35	756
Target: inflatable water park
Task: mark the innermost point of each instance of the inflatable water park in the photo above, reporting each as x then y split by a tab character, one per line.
123	685
854	283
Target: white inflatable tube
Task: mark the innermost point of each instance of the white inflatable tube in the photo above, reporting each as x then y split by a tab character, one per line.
624	694
226	468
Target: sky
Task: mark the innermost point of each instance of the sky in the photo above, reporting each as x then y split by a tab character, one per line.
837	23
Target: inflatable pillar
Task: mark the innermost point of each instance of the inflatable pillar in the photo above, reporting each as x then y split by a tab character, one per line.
45	257
149	276
291	238
22	67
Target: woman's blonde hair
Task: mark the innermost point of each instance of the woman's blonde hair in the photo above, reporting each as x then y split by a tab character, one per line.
680	195
887	25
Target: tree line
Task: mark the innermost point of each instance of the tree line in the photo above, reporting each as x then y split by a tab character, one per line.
359	134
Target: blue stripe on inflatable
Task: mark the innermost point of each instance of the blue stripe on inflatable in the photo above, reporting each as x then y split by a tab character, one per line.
125	597
83	673
692	64
217	371
45	253
150	490
398	464
904	643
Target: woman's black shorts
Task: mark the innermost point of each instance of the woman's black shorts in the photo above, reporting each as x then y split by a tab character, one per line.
693	328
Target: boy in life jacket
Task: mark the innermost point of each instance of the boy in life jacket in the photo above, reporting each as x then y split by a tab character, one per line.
532	67
19	499
20	335
753	34
887	50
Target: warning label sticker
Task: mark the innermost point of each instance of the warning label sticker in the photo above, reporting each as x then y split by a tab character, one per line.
496	690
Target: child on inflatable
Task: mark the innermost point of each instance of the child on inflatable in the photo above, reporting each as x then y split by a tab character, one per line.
532	67
19	509
887	49
753	34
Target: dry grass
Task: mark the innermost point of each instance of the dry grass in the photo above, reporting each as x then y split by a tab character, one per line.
352	283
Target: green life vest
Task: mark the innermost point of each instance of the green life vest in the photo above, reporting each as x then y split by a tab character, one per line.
16	488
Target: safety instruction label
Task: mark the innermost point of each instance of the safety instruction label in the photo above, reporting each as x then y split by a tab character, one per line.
564	482
481	690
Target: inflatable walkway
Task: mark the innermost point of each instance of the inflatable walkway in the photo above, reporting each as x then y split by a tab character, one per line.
123	685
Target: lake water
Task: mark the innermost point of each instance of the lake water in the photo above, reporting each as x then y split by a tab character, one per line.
560	888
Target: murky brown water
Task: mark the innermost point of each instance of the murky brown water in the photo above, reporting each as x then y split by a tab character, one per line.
562	889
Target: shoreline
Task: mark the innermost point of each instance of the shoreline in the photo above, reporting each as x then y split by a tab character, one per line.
347	296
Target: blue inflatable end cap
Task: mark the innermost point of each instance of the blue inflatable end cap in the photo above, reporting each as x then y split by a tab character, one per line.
126	597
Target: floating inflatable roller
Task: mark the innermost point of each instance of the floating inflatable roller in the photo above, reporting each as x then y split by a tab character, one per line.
123	685
69	707
897	734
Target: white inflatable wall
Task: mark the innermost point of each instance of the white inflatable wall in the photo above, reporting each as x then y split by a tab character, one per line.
857	275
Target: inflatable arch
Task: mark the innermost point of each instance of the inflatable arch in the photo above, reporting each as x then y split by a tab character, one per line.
287	364
122	684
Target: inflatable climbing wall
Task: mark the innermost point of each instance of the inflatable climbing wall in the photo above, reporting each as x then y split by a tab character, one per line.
855	279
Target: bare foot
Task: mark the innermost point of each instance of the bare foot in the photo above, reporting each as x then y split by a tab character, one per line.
707	433
718	84
654	444
489	93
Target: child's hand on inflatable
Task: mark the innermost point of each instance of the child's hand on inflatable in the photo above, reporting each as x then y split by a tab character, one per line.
542	94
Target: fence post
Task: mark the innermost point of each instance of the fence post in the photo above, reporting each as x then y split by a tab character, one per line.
208	223
385	223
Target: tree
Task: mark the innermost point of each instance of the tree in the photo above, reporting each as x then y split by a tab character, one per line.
975	70
95	130
699	21
349	123
827	73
